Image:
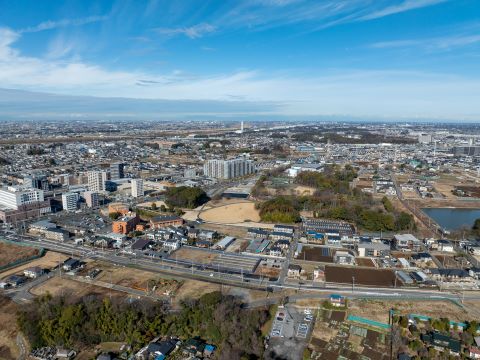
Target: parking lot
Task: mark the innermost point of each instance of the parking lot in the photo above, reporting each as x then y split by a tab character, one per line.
290	331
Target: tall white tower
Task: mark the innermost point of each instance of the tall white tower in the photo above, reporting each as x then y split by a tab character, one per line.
241	127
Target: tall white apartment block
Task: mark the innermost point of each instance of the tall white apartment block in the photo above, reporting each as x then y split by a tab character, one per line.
13	197
70	201
137	188
96	180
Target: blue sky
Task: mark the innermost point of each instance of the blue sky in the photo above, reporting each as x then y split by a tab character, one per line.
392	59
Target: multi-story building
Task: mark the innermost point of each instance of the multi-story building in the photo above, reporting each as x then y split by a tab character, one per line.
13	197
18	204
96	180
125	224
466	151
228	169
36	182
70	201
117	171
137	188
92	199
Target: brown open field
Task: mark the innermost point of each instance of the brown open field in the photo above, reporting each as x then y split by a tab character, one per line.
370	277
197	256
316	254
233	213
451	261
8	331
238	245
11	252
63	286
50	260
195	289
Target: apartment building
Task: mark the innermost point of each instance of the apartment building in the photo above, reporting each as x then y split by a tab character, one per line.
70	201
92	199
137	188
96	180
228	169
117	171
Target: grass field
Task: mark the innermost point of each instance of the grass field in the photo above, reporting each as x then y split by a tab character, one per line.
10	253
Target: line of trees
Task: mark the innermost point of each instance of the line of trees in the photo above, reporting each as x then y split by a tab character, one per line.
218	319
281	209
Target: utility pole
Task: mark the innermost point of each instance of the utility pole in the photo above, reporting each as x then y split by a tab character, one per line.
353	283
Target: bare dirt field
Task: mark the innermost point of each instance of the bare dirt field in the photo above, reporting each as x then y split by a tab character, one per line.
48	261
8	331
233	213
378	310
304	190
235	231
451	261
63	286
10	253
370	277
197	256
320	254
194	289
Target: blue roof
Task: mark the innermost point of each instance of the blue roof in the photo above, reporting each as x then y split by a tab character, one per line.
210	348
160	357
336	296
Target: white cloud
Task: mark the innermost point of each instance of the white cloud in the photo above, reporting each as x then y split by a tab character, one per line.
352	92
402	7
431	44
193	32
50	24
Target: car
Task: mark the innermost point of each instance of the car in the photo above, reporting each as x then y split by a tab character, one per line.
308	318
303	326
275	332
281	314
279	318
307	311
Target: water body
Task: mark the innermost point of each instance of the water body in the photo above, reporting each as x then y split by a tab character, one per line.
453	218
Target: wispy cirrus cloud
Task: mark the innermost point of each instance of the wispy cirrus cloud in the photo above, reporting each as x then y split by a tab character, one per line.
404	6
445	43
193	32
53	24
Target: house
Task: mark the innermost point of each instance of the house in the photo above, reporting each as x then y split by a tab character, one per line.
194	347
275	251
172	244
15	280
373	249
445	246
257	246
207	234
209	350
161	348
294	270
319	274
450	275
441	342
406	242
141	244
71	264
255	233
283	244
203	244
164	221
278	235
337	300
33	272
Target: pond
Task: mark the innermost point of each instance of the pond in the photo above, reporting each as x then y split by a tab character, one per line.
453	218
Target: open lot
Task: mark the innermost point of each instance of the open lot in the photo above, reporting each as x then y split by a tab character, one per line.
238	245
65	286
194	255
48	261
452	261
11	252
365	262
370	277
320	254
232	213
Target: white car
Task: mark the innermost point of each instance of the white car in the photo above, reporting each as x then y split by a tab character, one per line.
307	312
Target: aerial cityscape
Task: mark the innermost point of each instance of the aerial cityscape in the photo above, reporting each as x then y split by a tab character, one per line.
257	179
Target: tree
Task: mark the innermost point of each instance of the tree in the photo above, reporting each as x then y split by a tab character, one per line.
185	197
163	208
114	215
153	206
476	227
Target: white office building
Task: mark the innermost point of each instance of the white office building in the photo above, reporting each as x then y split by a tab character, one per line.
137	188
96	180
70	201
228	169
13	197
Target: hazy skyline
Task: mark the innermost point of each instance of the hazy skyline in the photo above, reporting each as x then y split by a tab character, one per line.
361	58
